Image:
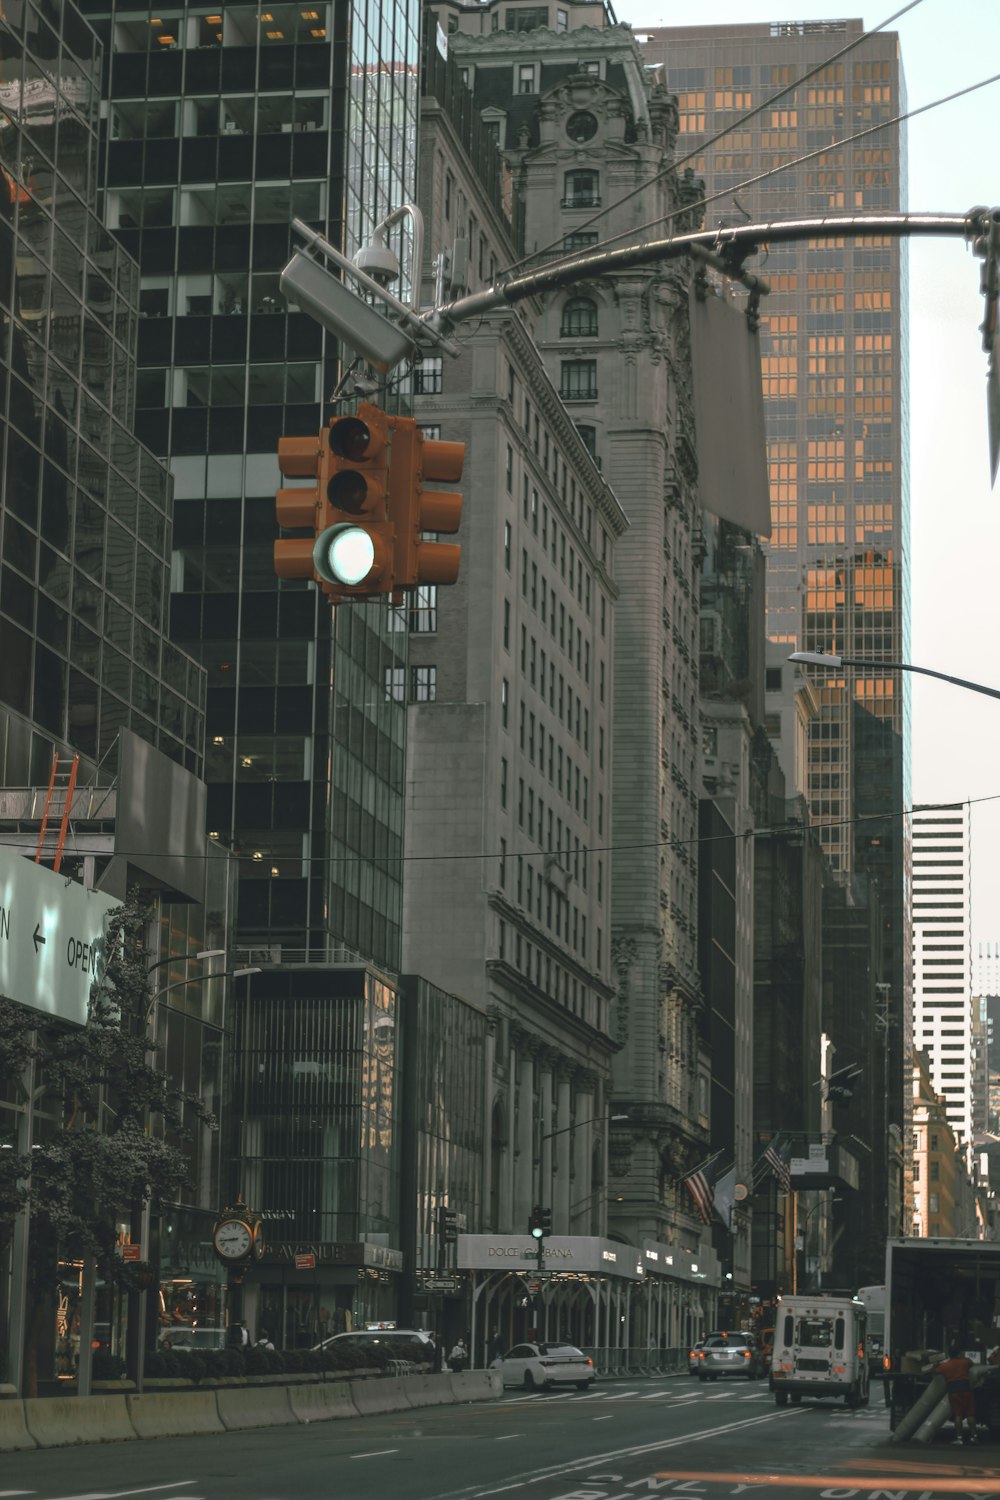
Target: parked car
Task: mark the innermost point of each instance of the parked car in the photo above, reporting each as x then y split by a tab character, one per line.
399	1343
730	1354
693	1354
539	1366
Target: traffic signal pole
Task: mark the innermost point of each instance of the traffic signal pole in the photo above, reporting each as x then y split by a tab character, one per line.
726	249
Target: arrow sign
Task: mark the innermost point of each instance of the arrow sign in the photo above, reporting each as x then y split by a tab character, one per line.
37	938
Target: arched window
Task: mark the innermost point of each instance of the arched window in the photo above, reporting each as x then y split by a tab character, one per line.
581	188
579	319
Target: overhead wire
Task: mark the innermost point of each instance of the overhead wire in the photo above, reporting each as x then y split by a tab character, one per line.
792	828
674	166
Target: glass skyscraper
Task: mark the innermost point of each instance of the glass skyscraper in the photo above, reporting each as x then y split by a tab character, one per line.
223	124
85	508
834	361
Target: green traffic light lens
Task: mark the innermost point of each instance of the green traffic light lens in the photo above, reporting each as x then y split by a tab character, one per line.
538	1232
350	554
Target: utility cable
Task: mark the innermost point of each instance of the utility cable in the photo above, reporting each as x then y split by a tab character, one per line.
778	830
751	114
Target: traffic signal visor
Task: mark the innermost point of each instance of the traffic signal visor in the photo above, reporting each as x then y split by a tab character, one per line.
416	509
297	509
353	547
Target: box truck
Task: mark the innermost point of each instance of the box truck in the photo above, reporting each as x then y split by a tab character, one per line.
939	1294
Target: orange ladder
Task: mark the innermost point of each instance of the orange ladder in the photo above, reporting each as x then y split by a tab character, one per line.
61	784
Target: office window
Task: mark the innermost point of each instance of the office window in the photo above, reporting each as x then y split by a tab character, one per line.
424	684
395	684
504	702
578	380
579	318
525	77
580	188
428	376
423	609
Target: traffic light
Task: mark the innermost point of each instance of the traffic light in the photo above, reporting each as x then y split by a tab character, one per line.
298	509
414	509
353	553
540	1222
448	1226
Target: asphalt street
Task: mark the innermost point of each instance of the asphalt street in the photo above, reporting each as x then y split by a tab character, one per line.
620	1440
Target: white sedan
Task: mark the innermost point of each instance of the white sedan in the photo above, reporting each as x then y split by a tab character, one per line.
536	1367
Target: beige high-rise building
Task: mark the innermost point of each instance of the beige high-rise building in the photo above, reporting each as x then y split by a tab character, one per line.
766	116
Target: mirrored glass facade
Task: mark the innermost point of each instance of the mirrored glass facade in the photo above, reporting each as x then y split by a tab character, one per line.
223	124
85	508
834	362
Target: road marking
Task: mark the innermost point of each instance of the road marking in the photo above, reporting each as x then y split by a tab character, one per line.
378	1453
655	1396
506	1437
622	1394
15	1492
638	1450
608	1418
971	1482
149	1489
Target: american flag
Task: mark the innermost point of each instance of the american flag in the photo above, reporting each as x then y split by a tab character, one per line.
700	1189
779	1167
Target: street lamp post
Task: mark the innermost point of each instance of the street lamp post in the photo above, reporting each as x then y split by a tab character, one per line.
833	663
565	1130
138	1339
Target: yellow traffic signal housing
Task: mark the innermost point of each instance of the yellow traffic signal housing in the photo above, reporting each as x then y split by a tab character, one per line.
298	509
353	553
414	509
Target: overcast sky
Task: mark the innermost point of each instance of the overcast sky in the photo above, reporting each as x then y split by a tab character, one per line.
955	519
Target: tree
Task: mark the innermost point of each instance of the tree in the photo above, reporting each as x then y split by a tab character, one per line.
113	1120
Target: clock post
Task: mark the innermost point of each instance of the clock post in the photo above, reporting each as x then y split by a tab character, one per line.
238	1242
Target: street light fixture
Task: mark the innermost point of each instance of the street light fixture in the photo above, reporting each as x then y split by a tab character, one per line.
834	663
578	1124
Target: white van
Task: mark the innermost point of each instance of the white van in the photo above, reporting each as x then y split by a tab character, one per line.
819	1349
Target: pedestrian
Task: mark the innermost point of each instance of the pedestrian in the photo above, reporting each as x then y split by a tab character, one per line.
957	1372
263	1341
495	1347
239	1335
458	1358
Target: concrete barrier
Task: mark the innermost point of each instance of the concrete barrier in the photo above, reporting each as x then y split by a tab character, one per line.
476	1385
429	1390
58	1421
178	1414
14	1435
374	1396
321	1403
254	1406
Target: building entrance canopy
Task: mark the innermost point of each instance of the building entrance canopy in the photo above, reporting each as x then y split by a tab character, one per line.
582	1254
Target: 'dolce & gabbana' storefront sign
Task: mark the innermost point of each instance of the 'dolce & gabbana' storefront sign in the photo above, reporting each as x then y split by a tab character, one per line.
582	1253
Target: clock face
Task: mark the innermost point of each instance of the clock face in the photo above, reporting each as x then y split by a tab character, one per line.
581	125
232	1239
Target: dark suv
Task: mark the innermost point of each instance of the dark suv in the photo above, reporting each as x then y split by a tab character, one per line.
730	1354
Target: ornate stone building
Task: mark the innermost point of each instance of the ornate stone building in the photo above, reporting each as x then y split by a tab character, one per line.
582	130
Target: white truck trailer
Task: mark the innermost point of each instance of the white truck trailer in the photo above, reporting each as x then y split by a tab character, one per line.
939	1294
